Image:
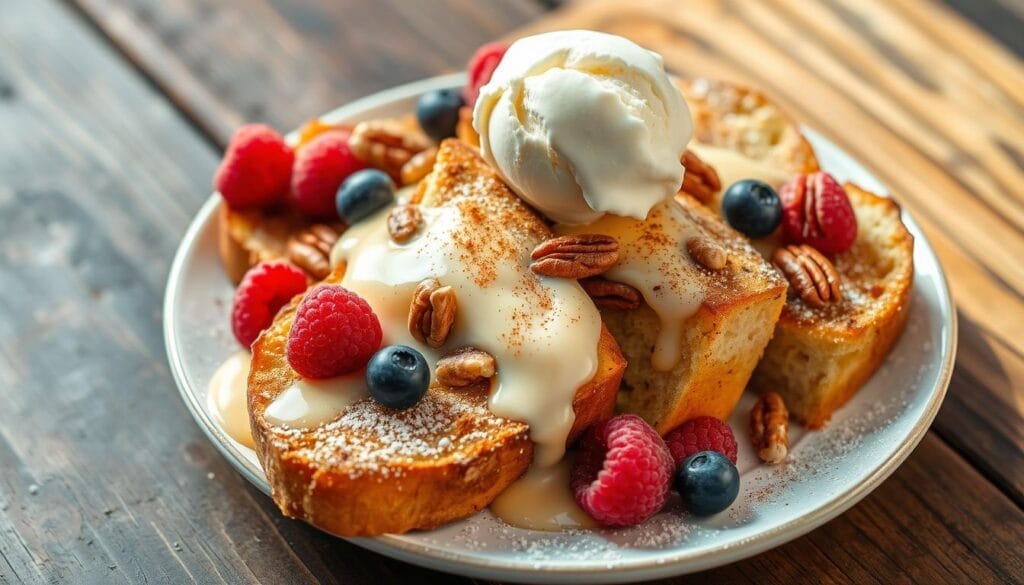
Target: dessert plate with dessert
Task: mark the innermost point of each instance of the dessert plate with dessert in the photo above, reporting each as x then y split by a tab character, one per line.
565	317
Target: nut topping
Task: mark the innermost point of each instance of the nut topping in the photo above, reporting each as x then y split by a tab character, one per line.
418	166
769	428
700	179
707	253
386	144
432	312
810	274
575	256
310	250
465	367
404	221
608	294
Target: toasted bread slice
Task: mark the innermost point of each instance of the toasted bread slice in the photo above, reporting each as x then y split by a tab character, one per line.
374	470
721	341
248	237
820	357
744	120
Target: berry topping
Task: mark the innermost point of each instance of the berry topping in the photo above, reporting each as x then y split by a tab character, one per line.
438	113
397	376
256	168
817	212
752	207
704	433
261	294
480	68
623	473
320	168
707	482
335	332
363	193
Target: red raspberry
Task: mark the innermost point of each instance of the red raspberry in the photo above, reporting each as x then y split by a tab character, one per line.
256	168
335	332
320	167
261	294
623	473
480	68
704	433
816	211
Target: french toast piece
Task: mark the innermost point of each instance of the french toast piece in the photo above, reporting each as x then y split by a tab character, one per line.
744	120
820	357
721	343
246	238
374	470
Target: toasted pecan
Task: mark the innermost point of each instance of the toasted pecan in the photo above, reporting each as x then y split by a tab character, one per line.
769	428
386	145
404	221
575	256
465	367
811	275
700	178
707	253
608	294
310	249
432	312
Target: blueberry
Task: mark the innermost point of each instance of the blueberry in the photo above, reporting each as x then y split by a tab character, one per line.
708	483
362	193
438	113
397	376
752	207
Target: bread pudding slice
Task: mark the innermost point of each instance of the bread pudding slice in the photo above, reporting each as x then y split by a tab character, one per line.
371	470
819	357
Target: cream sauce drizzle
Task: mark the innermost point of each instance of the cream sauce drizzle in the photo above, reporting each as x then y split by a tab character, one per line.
542	332
653	259
226	398
542	500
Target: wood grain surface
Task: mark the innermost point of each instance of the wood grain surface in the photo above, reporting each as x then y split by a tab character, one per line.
114	112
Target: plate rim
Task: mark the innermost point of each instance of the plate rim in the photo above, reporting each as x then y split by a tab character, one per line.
517	570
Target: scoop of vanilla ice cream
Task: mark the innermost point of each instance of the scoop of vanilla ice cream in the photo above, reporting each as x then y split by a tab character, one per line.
581	123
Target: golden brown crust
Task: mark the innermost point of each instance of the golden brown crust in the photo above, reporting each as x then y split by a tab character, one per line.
360	475
246	238
722	341
729	116
839	346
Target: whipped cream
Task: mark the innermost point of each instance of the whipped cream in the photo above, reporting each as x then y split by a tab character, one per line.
581	123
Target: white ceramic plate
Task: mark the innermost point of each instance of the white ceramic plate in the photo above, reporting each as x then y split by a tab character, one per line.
829	471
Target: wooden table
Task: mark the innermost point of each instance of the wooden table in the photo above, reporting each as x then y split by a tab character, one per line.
112	117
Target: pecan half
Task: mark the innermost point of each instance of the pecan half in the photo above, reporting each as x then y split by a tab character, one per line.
432	312
810	274
575	256
700	179
608	294
418	166
404	221
465	367
310	249
707	253
769	428
386	144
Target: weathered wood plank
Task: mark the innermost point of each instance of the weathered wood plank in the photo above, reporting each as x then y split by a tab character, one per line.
228	62
106	478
